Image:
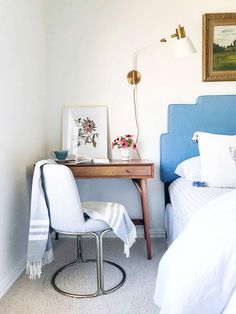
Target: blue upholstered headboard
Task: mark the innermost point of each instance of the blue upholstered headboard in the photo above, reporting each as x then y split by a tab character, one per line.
214	114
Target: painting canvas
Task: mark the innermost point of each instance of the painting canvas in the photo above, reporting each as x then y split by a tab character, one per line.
85	131
219	47
224	48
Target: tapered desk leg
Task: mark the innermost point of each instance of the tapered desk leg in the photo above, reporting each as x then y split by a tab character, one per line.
143	186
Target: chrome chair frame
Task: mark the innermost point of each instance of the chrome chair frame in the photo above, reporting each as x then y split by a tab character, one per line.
99	265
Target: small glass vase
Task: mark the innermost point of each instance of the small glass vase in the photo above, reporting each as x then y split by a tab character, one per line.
125	154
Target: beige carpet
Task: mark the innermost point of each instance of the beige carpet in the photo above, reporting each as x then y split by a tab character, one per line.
135	297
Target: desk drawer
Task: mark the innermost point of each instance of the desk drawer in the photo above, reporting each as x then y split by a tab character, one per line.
113	171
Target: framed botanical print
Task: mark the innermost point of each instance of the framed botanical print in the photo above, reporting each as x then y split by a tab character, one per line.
219	47
85	131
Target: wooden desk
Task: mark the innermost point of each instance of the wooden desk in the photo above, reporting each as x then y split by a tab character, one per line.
137	170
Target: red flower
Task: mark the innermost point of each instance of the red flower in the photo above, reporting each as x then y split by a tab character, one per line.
123	143
128	135
134	146
88	125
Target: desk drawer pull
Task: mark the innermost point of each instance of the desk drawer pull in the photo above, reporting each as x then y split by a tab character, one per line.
127	171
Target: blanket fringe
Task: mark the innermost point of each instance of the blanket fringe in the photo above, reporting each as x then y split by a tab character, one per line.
34	269
130	241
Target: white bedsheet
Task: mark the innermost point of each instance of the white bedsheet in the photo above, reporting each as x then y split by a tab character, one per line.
186	201
197	274
174	226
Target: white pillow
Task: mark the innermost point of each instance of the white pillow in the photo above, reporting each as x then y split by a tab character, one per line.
190	169
217	164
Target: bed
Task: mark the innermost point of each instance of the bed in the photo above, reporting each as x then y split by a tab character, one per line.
213	114
177	278
186	201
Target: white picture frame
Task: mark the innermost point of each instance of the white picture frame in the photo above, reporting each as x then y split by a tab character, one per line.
85	131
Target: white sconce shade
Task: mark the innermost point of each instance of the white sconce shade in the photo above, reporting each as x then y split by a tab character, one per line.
184	47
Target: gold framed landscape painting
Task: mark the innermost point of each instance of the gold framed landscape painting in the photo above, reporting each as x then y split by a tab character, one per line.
219	47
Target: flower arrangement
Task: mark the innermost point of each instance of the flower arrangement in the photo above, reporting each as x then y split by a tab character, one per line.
124	141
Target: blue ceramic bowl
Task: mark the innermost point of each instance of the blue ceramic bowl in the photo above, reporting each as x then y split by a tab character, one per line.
59	154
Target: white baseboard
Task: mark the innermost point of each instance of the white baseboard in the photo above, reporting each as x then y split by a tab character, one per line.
9	280
153	233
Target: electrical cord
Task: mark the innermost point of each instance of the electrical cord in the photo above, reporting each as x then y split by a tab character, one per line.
136	117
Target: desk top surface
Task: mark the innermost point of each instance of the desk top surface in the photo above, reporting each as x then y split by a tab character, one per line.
132	162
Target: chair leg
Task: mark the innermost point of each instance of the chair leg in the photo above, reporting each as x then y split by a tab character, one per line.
80	243
97	260
122	281
78	247
99	268
98	264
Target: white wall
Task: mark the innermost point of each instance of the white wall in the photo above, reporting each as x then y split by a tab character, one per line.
22	99
90	46
89	52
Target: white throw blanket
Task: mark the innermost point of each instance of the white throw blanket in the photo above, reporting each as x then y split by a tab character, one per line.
39	242
197	274
116	216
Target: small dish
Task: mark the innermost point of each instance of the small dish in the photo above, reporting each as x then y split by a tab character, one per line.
64	160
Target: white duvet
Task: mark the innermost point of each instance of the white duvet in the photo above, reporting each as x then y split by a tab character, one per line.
197	274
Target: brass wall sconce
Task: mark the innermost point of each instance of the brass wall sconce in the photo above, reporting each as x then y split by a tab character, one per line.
183	48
